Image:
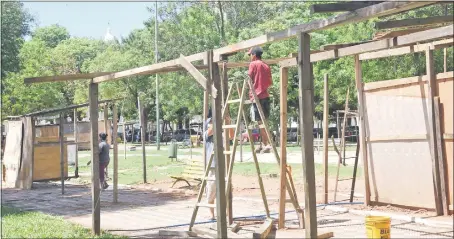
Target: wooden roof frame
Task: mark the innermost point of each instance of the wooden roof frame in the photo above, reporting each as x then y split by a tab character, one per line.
71	107
376	10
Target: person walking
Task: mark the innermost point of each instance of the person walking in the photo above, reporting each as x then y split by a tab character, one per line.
260	74
104	159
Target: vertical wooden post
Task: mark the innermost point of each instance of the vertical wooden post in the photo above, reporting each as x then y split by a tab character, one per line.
95	196
431	79
441	162
76	134
115	153
325	136
106	116
218	150
283	142
62	154
362	127
445	59
338	124
33	124
206	99
306	108
142	139
225	87
106	129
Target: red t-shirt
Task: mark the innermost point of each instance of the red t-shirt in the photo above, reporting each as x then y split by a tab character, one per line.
260	74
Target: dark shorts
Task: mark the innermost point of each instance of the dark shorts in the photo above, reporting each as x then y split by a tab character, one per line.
265	103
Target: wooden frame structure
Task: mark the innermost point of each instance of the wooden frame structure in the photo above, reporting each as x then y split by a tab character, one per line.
30	127
374	49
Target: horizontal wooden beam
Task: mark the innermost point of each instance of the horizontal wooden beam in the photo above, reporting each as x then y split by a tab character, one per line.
377	10
373	86
391	34
432	34
84	76
150	69
71	107
392	138
414	22
407	49
437	33
339	7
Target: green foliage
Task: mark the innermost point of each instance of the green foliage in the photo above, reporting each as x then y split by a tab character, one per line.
51	35
27	224
15	26
187	28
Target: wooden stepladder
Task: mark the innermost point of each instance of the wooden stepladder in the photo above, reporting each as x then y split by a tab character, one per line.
241	117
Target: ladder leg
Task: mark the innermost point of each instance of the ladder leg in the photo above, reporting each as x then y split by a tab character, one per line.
276	154
199	196
257	167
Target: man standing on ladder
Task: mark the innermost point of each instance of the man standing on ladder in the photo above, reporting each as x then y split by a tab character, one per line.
260	74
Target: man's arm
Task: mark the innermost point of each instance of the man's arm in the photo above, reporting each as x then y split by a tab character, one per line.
100	148
251	72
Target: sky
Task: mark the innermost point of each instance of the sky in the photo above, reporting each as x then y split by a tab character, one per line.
91	19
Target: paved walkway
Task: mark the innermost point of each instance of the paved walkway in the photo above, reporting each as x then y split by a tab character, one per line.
142	213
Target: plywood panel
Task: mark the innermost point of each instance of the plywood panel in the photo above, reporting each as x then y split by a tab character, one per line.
400	171
13	149
445	90
47	131
403	173
47	162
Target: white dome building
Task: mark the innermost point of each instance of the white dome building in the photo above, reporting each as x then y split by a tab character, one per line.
108	37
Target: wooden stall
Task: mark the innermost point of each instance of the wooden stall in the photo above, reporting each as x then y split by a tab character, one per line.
399	151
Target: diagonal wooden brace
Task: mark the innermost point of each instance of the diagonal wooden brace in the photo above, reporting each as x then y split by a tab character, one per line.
196	74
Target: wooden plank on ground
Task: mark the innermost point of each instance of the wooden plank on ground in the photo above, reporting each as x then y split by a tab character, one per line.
306	106
95	195
264	229
167	233
413	22
325	235
431	77
339	7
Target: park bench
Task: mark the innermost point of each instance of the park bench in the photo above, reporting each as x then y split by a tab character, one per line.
193	171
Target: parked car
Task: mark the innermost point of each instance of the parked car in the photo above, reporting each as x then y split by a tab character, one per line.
182	134
255	135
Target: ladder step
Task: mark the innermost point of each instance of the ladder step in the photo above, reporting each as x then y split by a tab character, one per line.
234	101
229	126
206	205
345	179
262	126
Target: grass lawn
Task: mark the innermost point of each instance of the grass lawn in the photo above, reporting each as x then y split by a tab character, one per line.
26	224
160	167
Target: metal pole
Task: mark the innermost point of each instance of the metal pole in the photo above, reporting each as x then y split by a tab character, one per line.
158	138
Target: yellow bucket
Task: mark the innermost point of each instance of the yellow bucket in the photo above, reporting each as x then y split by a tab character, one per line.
378	227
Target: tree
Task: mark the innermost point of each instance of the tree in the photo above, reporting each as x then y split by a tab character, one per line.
51	35
15	26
